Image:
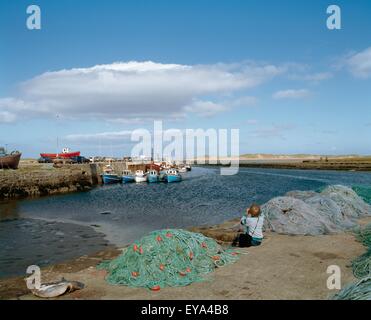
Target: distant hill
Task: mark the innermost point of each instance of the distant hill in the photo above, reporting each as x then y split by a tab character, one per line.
299	156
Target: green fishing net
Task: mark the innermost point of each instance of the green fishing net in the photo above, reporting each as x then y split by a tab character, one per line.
362	265
167	258
360	290
363	235
363	192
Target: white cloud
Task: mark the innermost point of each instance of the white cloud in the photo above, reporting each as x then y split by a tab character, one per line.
7	117
103	136
291	94
252	121
246	101
317	77
133	90
312	77
273	131
359	64
205	108
210	108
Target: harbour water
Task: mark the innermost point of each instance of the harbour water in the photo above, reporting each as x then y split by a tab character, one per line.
53	229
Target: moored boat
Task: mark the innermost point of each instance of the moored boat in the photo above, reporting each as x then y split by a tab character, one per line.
9	161
109	176
127	176
140	176
182	169
162	176
152	176
172	175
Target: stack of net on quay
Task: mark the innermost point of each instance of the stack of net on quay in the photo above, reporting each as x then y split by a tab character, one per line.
360	290
167	258
330	210
335	208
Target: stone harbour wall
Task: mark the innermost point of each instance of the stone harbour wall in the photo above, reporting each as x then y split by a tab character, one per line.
43	179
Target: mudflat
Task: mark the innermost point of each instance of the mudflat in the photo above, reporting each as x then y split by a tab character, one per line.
283	267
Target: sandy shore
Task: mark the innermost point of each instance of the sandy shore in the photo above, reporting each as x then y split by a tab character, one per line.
284	267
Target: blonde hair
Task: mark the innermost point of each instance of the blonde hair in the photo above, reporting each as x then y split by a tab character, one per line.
254	210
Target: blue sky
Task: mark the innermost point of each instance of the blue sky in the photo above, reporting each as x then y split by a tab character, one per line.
99	69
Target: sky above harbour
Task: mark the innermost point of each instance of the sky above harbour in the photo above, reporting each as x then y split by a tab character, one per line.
99	69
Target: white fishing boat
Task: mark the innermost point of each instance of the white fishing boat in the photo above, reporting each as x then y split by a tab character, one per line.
140	176
182	169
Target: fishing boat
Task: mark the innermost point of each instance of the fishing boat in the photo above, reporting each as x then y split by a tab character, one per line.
152	176
182	169
162	176
140	176
66	153
109	176
9	160
172	175
127	176
188	167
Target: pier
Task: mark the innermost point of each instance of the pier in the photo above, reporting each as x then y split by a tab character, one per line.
33	179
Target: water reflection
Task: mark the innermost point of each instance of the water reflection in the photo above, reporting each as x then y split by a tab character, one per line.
9	210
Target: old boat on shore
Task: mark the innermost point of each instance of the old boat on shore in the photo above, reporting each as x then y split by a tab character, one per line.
9	161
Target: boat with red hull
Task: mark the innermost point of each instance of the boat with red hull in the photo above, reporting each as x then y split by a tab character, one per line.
64	154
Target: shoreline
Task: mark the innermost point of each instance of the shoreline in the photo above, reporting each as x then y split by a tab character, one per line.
297	263
34	180
300	165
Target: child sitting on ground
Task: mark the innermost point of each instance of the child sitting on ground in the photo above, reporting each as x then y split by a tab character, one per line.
253	223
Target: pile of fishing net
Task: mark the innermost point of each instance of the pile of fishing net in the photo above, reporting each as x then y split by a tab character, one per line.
362	265
167	258
360	290
363	192
333	209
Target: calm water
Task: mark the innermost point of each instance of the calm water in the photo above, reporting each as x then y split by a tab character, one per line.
53	229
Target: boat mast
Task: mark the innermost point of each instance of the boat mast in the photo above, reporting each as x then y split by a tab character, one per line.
57	138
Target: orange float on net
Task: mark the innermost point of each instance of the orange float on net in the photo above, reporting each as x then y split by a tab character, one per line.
182	273
191	255
169	235
135	274
159	238
203	245
141	250
156	288
135	247
188	270
162	267
216	258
